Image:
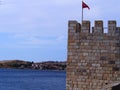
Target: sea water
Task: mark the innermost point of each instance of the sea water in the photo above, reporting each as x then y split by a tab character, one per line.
18	79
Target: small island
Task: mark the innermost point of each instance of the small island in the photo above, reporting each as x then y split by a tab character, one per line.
21	64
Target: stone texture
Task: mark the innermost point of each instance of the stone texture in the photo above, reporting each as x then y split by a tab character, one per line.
93	60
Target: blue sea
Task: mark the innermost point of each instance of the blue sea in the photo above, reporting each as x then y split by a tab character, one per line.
18	79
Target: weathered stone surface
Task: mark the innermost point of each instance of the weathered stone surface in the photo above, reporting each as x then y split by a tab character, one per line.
93	58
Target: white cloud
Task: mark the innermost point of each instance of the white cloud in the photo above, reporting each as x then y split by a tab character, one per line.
37	41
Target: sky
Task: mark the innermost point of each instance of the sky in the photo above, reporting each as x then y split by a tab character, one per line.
36	30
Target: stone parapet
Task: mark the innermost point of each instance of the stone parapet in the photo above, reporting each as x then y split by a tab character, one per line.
98	27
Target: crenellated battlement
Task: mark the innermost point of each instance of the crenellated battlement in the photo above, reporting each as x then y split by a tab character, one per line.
93	60
98	27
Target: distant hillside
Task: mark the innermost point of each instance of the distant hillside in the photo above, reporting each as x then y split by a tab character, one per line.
15	64
20	64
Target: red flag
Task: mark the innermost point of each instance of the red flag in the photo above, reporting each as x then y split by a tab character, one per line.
84	5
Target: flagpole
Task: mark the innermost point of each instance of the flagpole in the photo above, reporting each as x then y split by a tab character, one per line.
82	13
84	5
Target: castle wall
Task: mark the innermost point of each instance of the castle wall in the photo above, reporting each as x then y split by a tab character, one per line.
93	61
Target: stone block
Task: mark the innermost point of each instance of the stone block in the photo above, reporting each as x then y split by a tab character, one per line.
99	23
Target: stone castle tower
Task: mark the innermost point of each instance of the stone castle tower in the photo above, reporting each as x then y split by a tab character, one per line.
93	61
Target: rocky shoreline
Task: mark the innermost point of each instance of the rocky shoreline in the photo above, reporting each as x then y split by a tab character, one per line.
21	64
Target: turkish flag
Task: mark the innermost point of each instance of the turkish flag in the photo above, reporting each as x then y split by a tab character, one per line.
84	5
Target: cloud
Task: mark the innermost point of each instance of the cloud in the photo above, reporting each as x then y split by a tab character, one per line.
31	41
28	16
43	42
